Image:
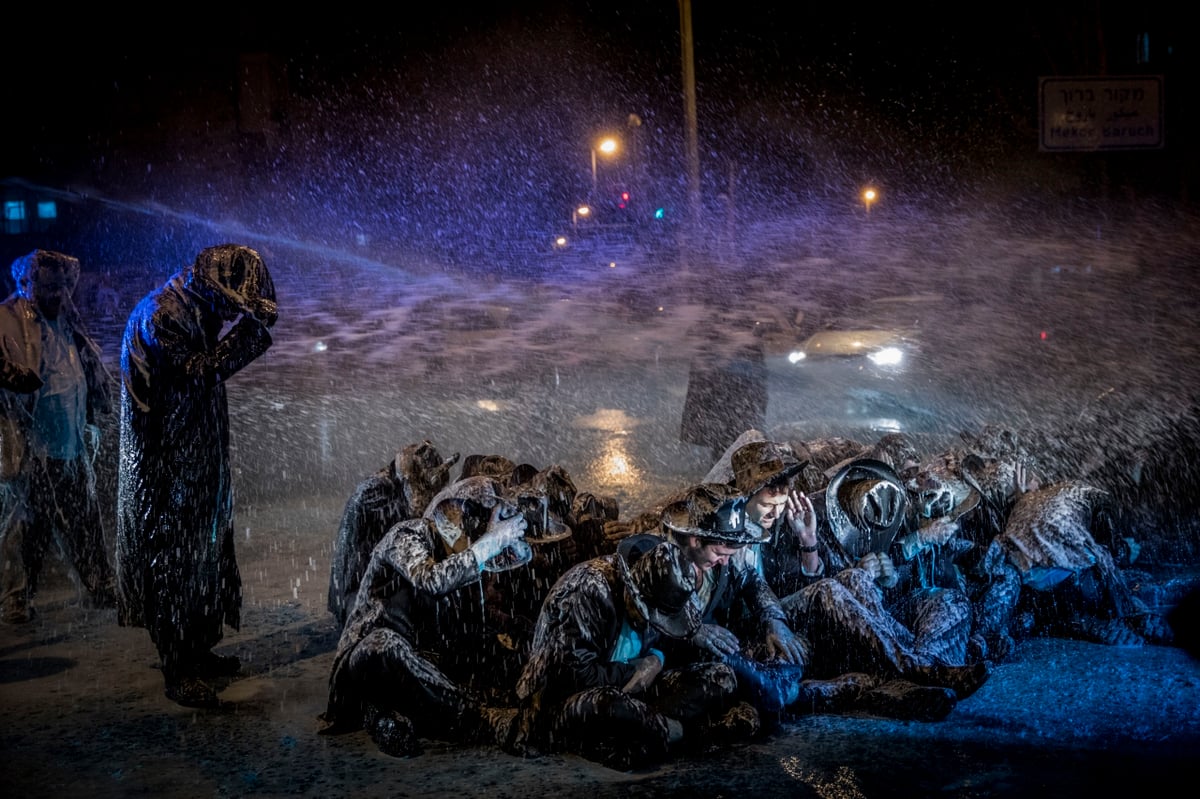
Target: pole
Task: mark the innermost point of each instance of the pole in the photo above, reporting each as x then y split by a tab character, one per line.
689	102
593	197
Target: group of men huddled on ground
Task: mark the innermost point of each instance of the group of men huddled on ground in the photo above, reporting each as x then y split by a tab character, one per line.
506	607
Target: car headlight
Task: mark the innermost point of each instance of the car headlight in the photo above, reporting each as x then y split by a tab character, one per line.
795	356
888	356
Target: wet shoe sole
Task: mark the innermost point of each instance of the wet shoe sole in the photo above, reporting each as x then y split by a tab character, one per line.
193	693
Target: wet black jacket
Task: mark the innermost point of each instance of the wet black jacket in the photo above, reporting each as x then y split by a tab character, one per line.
579	628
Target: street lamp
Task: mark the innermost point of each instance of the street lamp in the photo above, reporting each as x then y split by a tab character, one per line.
608	146
869	196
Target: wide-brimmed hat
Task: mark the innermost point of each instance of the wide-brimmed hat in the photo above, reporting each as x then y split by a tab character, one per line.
555	483
866	504
543	525
898	451
461	510
497	467
661	584
424	471
944	488
713	510
761	462
422	463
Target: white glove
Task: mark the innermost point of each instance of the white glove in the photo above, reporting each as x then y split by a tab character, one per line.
502	533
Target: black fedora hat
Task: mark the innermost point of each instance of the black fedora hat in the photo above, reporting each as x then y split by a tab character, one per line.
460	513
499	467
422	463
761	462
713	510
661	584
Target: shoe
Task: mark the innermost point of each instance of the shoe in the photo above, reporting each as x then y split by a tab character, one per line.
393	733
1111	632
963	680
832	696
740	723
907	701
674	731
192	692
1152	627
770	686
211	664
1000	646
17	611
496	725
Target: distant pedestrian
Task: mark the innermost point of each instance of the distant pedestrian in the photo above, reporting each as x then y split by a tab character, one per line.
727	384
53	386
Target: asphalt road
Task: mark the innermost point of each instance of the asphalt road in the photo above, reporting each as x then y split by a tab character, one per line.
86	717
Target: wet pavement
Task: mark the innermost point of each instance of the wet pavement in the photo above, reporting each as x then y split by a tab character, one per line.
587	367
86	716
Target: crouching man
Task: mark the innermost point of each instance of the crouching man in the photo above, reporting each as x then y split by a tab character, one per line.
416	643
597	683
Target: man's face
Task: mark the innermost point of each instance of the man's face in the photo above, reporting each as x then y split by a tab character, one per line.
707	556
766	505
50	288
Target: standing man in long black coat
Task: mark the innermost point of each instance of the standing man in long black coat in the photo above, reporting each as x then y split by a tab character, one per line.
178	574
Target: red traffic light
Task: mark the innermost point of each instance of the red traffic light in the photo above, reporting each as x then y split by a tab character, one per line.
624	199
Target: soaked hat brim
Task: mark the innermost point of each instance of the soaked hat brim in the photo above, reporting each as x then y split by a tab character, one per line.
677	519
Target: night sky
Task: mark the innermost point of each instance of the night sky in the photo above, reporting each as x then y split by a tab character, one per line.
485	111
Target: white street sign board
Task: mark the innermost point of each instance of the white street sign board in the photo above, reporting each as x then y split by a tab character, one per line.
1101	113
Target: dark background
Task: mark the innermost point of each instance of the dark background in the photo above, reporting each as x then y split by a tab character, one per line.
463	130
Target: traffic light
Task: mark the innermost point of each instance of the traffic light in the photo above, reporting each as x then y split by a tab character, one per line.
624	201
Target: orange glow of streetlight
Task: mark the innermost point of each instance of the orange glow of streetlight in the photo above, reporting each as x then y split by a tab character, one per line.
608	145
869	196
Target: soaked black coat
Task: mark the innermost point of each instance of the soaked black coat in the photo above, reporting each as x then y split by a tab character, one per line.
418	607
378	502
577	632
178	574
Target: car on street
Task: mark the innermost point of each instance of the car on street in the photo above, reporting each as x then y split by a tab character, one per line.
883	334
862	366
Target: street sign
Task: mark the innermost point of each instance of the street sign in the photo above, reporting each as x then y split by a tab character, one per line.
1101	113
